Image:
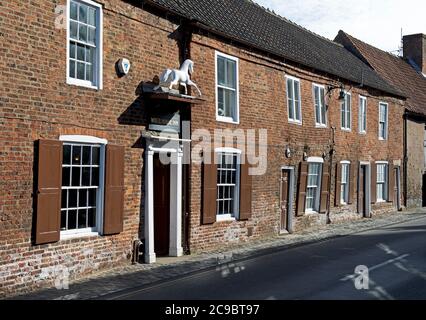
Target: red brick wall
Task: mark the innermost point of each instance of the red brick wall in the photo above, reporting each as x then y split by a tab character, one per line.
36	103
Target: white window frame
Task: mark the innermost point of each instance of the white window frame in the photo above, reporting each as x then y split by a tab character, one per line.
79	139
348	95
323	122
385	183
320	162
237	79
362	116
345	199
235	216
98	74
290	120
386	121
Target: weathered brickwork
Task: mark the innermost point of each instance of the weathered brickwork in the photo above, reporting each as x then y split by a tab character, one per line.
415	163
36	103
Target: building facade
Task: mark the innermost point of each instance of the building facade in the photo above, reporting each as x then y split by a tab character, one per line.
407	74
303	139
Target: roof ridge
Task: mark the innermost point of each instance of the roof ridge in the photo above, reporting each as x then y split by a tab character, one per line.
272	12
370	45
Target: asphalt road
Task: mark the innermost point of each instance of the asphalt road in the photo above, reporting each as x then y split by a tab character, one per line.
395	256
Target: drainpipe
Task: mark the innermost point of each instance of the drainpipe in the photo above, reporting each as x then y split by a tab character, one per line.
405	183
331	153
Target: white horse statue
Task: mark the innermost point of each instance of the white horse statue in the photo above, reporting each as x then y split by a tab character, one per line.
170	78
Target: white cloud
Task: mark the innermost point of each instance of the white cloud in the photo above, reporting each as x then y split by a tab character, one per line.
377	22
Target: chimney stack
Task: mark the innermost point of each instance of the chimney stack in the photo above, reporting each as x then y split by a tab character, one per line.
415	50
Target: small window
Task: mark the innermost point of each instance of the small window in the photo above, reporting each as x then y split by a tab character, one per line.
362	115
313	191
344	192
227	88
293	100
346	113
382	182
228	176
383	121
84	44
82	187
320	108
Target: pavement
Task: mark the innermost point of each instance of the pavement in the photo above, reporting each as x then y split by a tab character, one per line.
315	264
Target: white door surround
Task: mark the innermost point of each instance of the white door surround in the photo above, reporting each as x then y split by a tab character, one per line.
367	190
175	245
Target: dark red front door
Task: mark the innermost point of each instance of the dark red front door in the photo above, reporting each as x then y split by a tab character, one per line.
284	199
361	191
161	207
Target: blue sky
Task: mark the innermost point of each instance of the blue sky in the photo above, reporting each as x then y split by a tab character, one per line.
377	22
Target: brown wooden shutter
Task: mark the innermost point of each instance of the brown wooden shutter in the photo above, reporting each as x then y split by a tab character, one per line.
391	182
114	190
245	191
352	182
49	181
324	188
338	185
373	183
303	181
209	190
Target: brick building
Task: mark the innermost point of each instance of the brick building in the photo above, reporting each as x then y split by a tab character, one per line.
407	74
81	173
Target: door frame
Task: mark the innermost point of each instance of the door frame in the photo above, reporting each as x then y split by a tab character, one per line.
367	189
291	188
175	243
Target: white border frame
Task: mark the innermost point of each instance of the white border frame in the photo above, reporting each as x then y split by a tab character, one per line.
360	115
317	124
237	79
297	122
228	217
345	162
386	181
320	161
88	232
347	93
387	121
99	48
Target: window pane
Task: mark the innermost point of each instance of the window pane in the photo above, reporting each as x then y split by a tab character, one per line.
72	219
66	158
85	178
81	52
91	36
82	32
72	50
86	155
83	13
63	220
95	156
76	155
221	102
82	218
73	30
82	198
230	103
92	197
91	218
72	69
91	16
90	54
72	198
73	12
64	199
80	71
231	74
66	176
95	177
75	177
89	73
221	71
